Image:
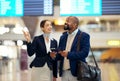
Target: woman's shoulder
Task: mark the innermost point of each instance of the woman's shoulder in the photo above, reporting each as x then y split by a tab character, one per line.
38	37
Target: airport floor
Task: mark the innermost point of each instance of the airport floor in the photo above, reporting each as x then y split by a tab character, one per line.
11	71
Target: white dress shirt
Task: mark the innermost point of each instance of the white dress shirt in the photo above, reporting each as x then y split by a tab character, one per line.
70	40
47	39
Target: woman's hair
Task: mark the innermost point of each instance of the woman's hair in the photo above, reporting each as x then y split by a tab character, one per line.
43	23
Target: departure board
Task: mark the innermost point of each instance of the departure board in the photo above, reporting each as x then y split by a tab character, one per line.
26	8
11	7
38	7
80	7
110	7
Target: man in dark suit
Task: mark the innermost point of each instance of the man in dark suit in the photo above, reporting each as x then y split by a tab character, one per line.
68	54
43	64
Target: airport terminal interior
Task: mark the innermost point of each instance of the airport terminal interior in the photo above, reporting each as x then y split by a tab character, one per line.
104	33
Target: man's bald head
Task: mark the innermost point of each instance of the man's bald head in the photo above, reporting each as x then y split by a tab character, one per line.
74	19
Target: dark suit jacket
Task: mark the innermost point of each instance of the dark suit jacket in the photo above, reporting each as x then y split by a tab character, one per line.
38	48
74	55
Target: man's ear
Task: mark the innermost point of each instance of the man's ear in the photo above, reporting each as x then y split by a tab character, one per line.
75	24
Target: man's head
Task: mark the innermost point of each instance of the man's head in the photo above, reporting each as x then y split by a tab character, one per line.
72	22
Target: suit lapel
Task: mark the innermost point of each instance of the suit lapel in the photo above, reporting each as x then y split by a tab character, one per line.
75	39
43	43
65	41
52	43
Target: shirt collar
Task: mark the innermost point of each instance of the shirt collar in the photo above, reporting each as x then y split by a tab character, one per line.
46	35
74	32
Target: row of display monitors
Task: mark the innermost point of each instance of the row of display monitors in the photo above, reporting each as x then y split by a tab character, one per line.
67	7
26	7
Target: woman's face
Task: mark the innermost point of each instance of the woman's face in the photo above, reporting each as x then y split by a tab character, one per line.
47	27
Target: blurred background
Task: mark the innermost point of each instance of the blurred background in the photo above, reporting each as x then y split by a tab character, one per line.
99	18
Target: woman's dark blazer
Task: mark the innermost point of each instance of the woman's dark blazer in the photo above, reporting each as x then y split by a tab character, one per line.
38	48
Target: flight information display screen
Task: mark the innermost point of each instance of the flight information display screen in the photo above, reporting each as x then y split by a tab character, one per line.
11	7
26	7
38	7
80	7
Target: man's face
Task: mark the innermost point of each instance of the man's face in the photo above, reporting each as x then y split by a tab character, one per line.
70	23
66	26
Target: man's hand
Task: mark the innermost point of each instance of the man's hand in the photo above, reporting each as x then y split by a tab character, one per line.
54	78
64	53
52	55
